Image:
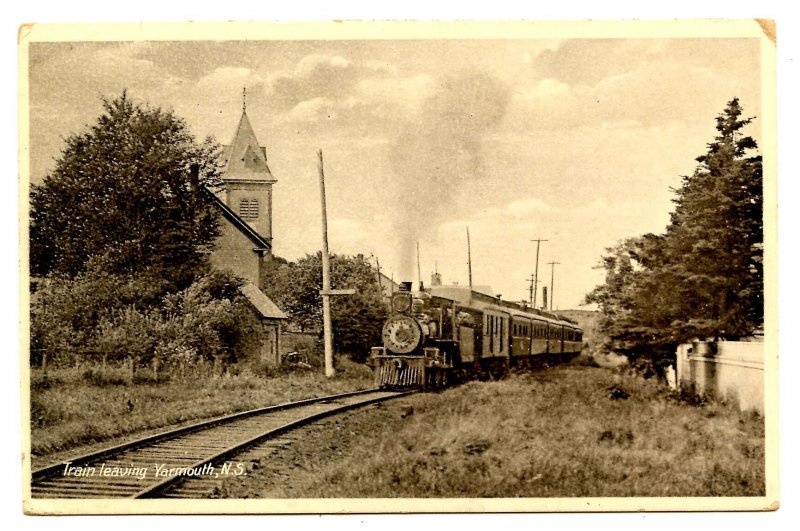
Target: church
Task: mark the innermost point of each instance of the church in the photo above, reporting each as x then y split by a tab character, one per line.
244	246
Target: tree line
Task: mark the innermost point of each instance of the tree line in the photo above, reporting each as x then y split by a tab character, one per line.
120	235
704	276
357	319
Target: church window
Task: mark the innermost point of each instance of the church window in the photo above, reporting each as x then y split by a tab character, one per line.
248	208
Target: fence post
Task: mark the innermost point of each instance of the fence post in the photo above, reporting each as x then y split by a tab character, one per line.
44	363
155	368
130	368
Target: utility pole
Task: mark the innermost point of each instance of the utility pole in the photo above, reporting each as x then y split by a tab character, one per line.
419	272
327	328
552	275
327	292
536	284
380	284
530	290
469	260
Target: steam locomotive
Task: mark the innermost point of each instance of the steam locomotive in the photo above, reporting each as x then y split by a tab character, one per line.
445	333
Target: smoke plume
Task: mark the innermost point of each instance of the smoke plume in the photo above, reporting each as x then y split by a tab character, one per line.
441	151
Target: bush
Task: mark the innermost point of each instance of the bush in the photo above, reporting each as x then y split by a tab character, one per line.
100	376
210	319
94	317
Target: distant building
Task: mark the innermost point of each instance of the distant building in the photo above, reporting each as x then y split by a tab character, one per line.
589	321
244	246
388	286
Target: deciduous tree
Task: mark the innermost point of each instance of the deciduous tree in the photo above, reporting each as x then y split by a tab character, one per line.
123	194
357	319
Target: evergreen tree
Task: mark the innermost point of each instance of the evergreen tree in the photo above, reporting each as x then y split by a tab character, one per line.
122	197
704	276
716	234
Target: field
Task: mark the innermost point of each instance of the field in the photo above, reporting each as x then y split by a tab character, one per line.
567	431
77	407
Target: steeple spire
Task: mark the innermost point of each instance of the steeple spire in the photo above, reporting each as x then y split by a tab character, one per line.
248	181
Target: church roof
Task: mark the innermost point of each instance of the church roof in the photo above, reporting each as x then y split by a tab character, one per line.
262	304
245	158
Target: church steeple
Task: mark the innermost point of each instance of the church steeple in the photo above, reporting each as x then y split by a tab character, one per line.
248	180
246	159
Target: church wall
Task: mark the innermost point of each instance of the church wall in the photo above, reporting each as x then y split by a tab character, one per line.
263	192
233	252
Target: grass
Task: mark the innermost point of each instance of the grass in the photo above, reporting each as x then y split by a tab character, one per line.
564	432
73	407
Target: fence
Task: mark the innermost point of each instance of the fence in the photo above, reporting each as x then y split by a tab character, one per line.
728	370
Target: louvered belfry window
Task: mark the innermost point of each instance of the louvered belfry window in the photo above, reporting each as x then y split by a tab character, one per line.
248	208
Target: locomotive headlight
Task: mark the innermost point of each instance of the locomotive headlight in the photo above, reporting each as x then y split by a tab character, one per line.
401	302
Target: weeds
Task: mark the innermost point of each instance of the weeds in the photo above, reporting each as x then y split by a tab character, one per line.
565	435
71	407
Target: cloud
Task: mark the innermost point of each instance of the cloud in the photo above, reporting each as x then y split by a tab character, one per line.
321	76
365	96
650	93
223	78
588	61
403	94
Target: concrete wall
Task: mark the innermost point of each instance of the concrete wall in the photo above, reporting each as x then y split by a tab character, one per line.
233	252
727	370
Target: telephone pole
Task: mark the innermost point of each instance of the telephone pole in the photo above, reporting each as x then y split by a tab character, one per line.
469	260
552	275
536	284
419	271
380	283
327	292
530	289
327	328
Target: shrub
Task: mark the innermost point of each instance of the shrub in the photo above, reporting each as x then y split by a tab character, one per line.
127	333
97	316
210	319
100	376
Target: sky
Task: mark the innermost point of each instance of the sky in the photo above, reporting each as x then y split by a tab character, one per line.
577	142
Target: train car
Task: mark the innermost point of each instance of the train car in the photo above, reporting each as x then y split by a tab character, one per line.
447	332
534	334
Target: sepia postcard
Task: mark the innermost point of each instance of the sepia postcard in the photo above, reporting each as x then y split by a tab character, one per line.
384	267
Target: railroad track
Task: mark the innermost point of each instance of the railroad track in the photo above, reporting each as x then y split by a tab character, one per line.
182	462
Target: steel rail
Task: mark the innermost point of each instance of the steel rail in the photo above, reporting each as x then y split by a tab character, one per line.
51	470
172	482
